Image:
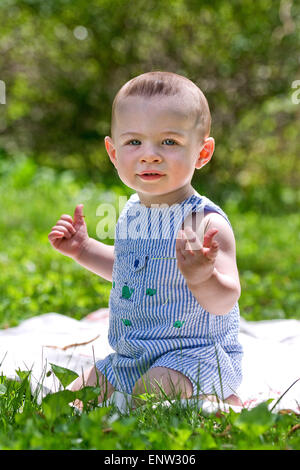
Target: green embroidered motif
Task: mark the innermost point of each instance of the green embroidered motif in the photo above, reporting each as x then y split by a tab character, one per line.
150	291
126	321
113	284
178	324
126	292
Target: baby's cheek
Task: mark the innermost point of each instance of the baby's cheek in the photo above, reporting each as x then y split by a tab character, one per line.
126	176
184	168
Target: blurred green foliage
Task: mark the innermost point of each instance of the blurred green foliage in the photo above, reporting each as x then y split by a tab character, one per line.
36	279
64	60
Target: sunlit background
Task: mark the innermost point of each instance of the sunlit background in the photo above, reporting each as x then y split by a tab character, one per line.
61	64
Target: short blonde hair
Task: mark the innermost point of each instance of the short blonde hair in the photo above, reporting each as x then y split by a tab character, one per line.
160	83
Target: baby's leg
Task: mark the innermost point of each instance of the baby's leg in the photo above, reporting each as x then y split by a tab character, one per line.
172	382
93	377
231	400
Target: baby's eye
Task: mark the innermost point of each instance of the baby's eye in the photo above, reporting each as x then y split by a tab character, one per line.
134	140
170	140
137	142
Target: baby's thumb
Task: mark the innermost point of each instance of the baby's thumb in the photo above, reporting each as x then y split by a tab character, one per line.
78	215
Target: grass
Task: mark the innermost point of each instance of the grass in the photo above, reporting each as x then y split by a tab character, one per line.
35	280
53	425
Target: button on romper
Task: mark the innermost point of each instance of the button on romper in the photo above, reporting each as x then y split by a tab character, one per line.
155	321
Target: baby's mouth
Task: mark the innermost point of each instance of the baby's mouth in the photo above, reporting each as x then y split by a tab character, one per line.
149	176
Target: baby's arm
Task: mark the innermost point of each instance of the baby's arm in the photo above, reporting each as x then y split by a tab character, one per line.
210	269
98	258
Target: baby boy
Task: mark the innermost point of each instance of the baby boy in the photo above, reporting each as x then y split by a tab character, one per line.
176	328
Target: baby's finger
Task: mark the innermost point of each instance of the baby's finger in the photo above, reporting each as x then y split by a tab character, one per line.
67	217
192	240
64	230
211	252
66	224
189	242
78	215
180	257
179	247
184	243
54	235
209	236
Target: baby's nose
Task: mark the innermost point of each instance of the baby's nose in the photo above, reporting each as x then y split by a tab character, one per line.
151	157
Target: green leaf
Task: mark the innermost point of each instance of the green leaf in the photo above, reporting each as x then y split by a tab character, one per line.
56	404
65	376
3	389
204	439
87	394
255	421
23	374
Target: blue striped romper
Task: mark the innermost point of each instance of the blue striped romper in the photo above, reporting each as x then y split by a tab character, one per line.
154	318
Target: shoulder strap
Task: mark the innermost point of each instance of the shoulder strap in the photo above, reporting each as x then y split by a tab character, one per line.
209	206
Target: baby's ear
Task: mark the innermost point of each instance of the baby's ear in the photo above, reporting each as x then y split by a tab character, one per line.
206	152
110	148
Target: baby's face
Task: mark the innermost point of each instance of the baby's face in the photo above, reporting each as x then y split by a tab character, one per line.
156	147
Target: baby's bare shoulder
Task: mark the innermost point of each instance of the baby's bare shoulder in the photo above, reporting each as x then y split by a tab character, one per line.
225	235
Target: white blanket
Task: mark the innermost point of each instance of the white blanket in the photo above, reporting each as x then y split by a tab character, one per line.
270	363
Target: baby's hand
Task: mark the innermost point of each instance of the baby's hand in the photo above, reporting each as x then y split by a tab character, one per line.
196	261
70	237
